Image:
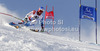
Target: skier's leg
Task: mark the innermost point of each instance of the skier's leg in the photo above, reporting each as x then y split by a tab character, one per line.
28	23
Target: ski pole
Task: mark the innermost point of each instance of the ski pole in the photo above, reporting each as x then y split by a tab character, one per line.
11	16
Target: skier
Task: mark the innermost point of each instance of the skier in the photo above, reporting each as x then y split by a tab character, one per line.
32	17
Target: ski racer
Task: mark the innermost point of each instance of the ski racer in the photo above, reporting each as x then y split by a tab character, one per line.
32	17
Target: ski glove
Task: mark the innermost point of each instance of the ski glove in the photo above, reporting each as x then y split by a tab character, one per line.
36	17
25	20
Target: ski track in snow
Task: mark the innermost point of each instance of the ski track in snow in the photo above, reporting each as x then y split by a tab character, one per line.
12	39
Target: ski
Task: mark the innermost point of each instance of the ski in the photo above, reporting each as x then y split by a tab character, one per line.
36	30
14	25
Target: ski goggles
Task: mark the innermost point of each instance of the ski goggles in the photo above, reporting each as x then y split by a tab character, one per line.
40	11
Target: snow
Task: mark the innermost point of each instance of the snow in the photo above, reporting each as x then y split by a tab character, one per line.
12	39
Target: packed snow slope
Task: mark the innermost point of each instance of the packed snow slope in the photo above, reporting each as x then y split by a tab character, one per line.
12	39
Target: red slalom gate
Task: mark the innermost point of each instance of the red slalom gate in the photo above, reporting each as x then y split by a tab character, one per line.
49	15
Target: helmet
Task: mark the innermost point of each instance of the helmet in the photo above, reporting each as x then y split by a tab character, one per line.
40	11
41	8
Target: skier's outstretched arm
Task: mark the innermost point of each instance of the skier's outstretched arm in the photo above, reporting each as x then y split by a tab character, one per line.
28	14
